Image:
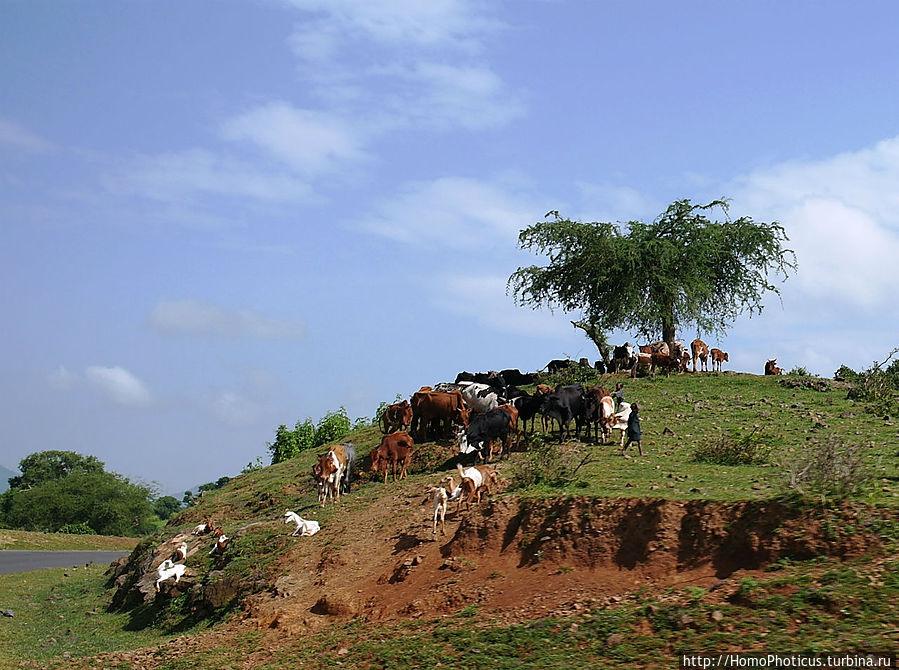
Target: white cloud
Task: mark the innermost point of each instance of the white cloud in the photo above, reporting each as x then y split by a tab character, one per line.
842	217
308	141
454	212
482	299
443	95
191	317
420	67
404	22
119	385
184	176
16	136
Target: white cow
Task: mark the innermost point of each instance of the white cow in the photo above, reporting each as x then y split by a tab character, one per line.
480	397
305	527
620	422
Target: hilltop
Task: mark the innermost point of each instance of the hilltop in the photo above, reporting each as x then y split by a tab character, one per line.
630	560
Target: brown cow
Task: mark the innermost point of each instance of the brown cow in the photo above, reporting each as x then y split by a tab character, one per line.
328	471
429	406
395	449
512	411
396	417
700	350
772	369
718	357
666	363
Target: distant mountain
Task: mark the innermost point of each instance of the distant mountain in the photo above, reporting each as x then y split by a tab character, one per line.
5	474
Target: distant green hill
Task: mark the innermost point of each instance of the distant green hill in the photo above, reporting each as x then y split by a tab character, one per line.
5	474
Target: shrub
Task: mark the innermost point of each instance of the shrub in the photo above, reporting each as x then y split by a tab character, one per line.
733	449
332	426
828	469
545	462
77	529
876	386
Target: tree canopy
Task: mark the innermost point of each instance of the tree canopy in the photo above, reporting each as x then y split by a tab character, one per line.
45	466
62	489
681	269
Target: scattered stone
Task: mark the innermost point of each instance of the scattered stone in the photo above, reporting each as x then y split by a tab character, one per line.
613	639
717	616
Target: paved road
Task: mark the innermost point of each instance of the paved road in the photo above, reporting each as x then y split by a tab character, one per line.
15	560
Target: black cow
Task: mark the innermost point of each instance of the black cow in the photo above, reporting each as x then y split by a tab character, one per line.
557	365
565	404
600	367
516	378
483	430
623	357
528	407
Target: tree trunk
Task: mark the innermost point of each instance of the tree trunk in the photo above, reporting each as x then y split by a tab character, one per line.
597	336
668	331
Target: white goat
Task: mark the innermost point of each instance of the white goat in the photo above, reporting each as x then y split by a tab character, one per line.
439	499
305	527
168	569
199	529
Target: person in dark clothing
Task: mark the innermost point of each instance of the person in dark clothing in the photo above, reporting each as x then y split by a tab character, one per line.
618	395
634	432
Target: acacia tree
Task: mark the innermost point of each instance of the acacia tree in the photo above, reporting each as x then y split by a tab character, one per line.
682	268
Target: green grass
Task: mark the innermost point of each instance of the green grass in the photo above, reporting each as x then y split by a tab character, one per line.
57	614
24	539
698	409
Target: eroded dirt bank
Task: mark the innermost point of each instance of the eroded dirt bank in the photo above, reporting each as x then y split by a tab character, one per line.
520	559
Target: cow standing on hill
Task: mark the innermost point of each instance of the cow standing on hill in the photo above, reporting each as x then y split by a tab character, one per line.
428	406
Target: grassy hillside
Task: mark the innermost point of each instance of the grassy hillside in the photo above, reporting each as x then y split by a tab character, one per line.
402	599
24	539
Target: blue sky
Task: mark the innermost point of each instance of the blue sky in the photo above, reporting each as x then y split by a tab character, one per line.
219	217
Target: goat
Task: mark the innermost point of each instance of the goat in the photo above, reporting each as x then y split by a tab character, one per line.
305	527
439	499
168	569
220	545
468	491
181	552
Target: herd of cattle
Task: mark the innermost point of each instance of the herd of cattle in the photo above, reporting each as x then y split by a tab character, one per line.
487	411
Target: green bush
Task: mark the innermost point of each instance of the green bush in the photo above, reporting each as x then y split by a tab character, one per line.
81	528
332	426
733	449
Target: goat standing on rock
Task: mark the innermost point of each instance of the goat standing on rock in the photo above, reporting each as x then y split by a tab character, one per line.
169	569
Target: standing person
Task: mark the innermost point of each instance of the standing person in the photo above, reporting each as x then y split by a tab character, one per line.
634	432
618	395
